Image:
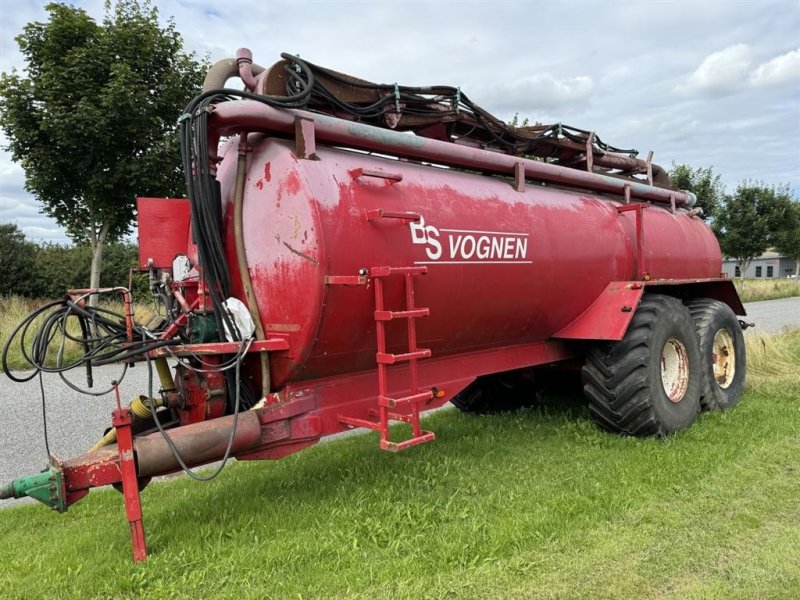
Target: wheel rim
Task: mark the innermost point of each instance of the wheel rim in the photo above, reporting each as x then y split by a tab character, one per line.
674	370
723	354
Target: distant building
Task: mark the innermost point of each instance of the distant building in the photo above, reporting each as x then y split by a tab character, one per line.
768	265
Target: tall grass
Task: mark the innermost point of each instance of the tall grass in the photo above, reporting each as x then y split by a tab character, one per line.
773	360
14	309
755	290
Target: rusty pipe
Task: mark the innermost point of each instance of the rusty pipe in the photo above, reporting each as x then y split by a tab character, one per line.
241	258
197	444
229	118
226	68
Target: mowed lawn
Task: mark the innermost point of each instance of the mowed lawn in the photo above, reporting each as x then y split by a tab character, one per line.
535	504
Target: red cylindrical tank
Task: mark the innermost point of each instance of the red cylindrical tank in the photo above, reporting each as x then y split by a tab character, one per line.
504	266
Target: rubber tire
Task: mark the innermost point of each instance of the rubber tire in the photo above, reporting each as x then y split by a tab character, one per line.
710	316
500	392
622	380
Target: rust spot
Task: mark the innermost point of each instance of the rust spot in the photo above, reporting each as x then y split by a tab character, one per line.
267	175
300	254
284	327
292	183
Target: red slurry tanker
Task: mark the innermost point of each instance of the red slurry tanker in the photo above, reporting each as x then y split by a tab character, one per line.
352	254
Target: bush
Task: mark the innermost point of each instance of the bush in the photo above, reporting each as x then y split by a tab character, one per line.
48	270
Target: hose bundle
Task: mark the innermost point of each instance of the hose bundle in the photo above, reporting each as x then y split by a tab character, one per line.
43	335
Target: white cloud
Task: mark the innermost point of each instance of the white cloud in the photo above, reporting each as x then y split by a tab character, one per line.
720	73
539	91
780	69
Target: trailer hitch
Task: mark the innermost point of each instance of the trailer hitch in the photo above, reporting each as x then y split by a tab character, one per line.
47	487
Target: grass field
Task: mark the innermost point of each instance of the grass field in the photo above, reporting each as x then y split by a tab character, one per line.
535	504
754	290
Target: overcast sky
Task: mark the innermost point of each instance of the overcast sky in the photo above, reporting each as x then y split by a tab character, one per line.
703	83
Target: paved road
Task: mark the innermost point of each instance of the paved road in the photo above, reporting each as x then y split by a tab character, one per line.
771	316
76	421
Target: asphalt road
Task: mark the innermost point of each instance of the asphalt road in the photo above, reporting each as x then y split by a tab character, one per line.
771	316
76	421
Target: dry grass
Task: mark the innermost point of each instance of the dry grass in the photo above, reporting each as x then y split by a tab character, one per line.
773	359
754	290
13	309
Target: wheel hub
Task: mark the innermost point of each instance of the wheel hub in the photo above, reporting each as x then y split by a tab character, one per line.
723	354
674	370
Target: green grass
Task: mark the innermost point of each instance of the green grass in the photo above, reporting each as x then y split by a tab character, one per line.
536	504
755	290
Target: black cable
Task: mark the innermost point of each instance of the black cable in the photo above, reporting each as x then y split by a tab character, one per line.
44	417
245	346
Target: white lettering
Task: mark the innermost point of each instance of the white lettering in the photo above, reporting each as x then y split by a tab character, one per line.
455	244
522	247
507	250
464	253
470	246
497	247
482	250
434	247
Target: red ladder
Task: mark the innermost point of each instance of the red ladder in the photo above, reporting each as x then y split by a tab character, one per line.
387	404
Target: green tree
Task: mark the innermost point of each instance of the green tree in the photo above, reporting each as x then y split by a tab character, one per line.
16	261
93	119
787	239
751	220
703	183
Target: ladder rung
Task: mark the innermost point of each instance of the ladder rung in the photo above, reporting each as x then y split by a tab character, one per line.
390	359
427	436
394	402
386	271
388	315
353	422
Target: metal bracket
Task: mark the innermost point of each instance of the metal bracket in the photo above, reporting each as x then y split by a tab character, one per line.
379	213
638	209
305	138
390	178
519	176
360	279
590	152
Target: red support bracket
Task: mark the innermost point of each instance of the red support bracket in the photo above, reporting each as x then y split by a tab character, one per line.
638	210
379	213
273	344
391	178
360	279
122	420
519	176
305	139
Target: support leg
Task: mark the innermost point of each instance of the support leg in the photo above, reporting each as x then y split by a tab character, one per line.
122	420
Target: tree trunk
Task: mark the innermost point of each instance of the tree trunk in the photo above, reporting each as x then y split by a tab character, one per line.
98	242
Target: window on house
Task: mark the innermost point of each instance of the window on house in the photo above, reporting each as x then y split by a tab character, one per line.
737	272
770	272
758	271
